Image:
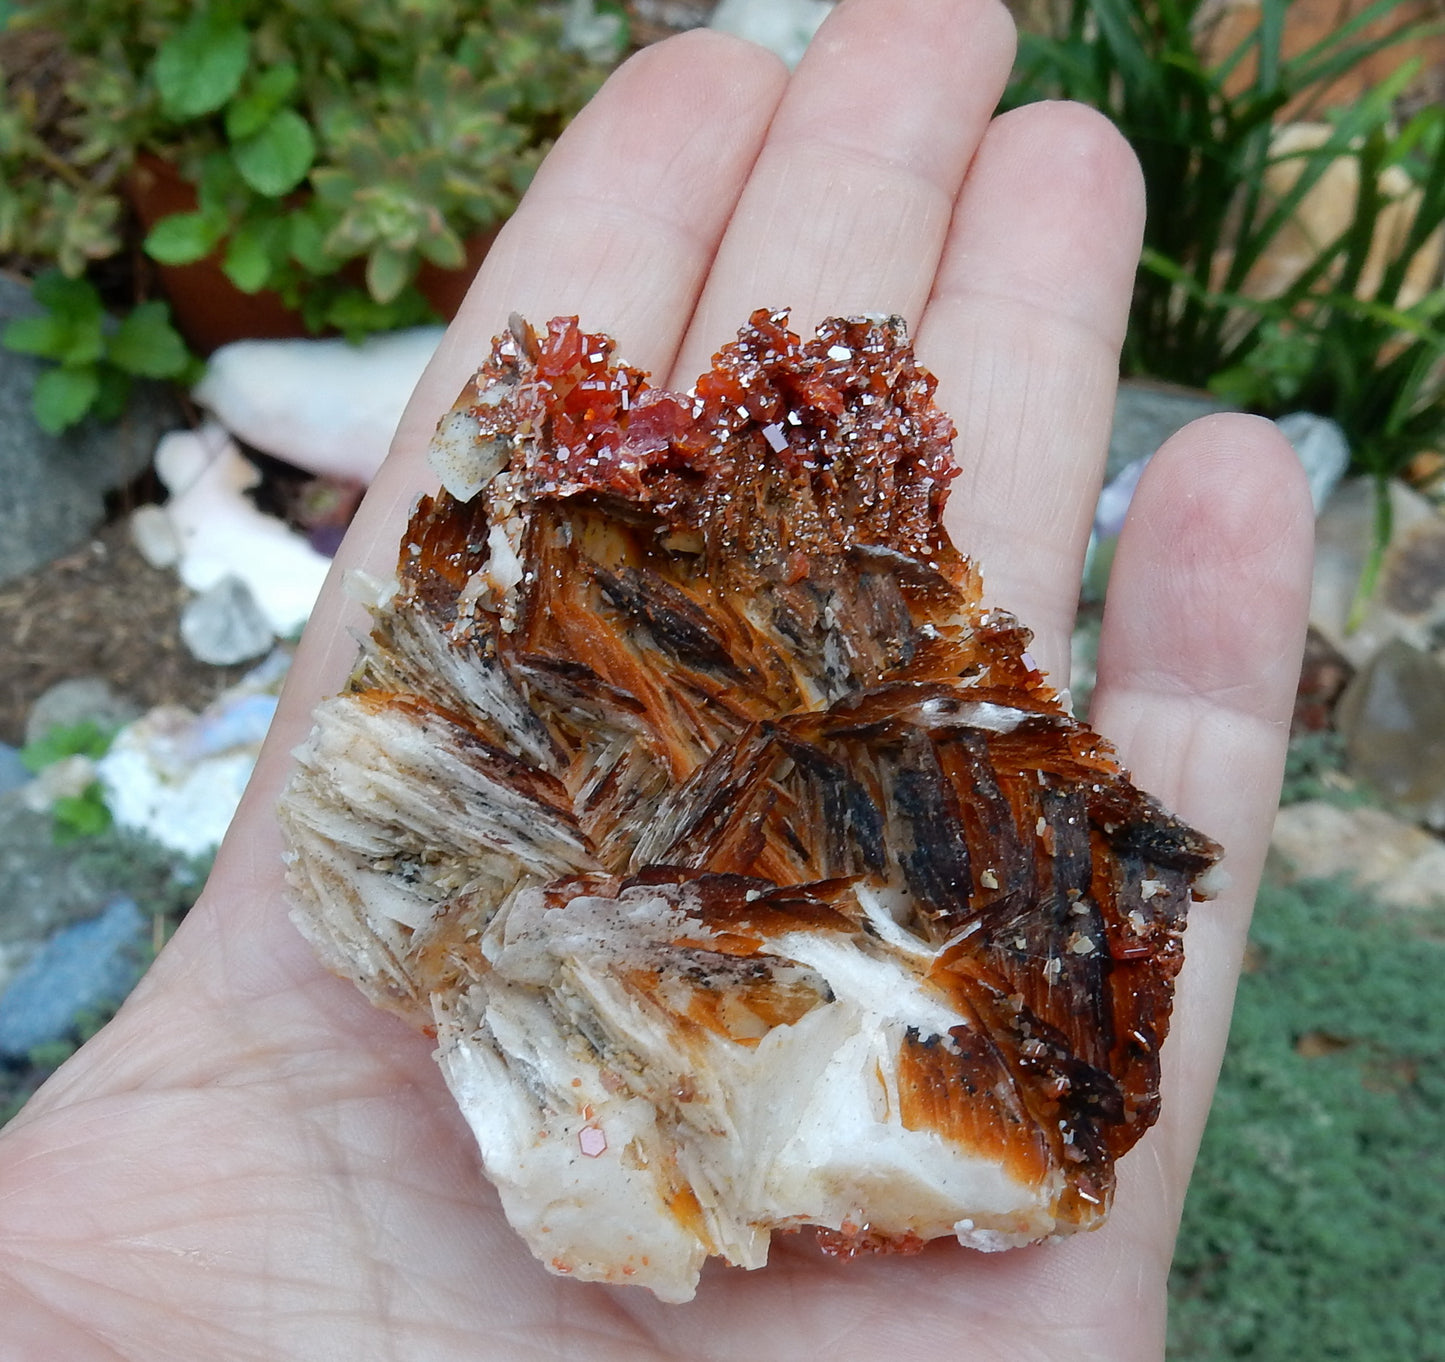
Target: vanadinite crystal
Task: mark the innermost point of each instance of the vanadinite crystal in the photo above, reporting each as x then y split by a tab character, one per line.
748	871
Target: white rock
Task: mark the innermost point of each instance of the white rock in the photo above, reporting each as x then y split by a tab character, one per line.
222	534
324	405
154	534
188	813
1398	863
177	777
783	26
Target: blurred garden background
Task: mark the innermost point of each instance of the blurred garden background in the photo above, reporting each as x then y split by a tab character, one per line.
178	180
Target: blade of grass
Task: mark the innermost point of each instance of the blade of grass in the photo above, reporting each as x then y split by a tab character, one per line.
1370	576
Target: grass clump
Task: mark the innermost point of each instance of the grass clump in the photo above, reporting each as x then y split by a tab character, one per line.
1347	331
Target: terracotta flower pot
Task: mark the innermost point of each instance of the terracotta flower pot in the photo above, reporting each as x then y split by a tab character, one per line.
210	311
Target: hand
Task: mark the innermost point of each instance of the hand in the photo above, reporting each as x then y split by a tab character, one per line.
249	1162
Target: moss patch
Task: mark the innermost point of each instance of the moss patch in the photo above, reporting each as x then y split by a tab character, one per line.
1315	1226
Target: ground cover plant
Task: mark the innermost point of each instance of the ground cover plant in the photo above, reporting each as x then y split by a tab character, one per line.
1315	1225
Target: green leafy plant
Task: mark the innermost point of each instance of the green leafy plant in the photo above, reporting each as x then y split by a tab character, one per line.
1338	333
51	207
95	357
85	739
334	150
76	815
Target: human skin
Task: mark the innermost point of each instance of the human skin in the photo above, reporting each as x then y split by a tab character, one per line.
251	1163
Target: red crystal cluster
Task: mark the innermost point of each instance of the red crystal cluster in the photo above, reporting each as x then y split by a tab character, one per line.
717	650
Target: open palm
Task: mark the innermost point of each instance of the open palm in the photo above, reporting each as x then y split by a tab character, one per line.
251	1163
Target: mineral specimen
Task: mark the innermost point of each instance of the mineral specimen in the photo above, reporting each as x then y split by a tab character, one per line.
748	871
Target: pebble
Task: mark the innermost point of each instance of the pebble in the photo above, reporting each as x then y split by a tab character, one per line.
68	778
79	700
1397	863
1392	719
177	777
599	35
1409	598
42	886
224	625
1323	451
222	534
85	967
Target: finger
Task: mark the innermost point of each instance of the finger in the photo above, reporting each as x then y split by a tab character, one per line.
1198	660
1024	329
1198	664
849	203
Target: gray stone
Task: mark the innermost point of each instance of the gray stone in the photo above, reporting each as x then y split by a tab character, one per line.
42	886
78	700
88	967
1392	718
1408	602
1323	451
1398	864
54	485
224	626
1147	413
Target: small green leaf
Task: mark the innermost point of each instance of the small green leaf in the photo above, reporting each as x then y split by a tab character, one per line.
444	249
219	185
62	396
44	336
308	244
147	345
61	293
73	298
200	67
184	238
275	160
356	315
248	113
113	394
69	331
248	261
85	739
83	815
387	273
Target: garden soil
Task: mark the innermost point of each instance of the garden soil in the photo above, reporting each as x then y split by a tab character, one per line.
101	610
